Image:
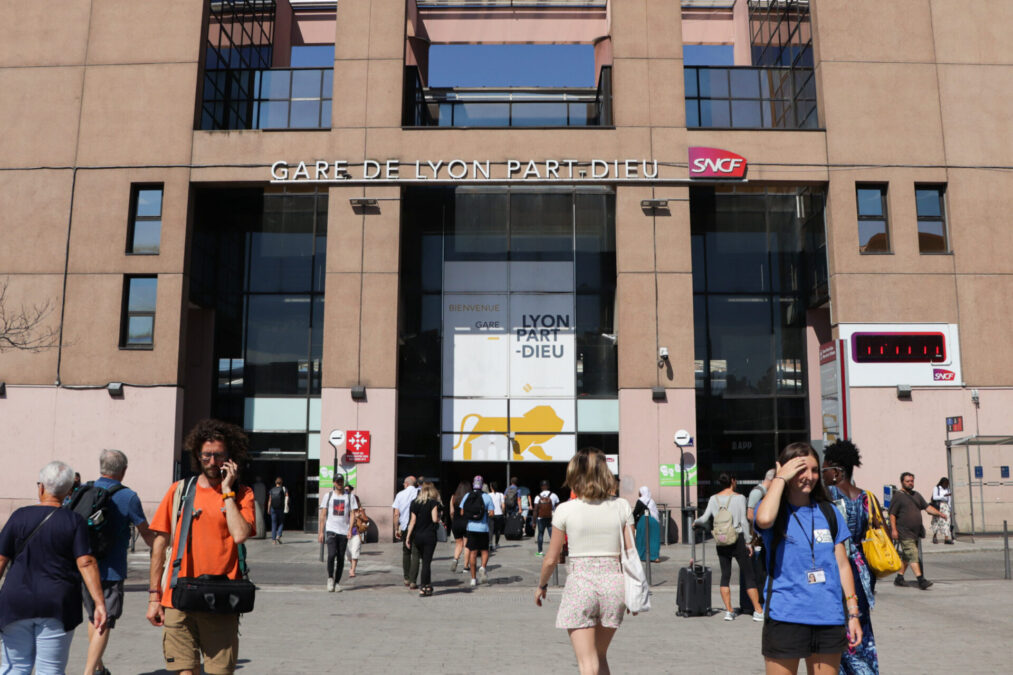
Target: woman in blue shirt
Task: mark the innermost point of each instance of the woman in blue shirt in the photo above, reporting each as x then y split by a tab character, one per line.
809	570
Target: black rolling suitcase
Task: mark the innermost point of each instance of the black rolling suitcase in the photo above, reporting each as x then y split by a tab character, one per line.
693	595
514	527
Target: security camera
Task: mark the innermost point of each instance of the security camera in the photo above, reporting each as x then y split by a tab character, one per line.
663	352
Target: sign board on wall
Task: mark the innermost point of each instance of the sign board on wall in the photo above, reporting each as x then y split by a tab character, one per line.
834	391
670	475
715	163
358	446
888	354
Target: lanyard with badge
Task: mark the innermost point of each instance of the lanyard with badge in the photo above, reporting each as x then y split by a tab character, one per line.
814	575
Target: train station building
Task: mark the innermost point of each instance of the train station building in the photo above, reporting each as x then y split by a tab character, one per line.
752	222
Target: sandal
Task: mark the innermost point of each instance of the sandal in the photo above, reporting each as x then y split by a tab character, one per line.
412	587
427	591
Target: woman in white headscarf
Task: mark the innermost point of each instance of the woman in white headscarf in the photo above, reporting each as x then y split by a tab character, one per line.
649	527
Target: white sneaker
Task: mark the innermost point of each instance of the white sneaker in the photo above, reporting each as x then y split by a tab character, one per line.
482	576
330	585
729	616
453	565
757	616
472	583
337	588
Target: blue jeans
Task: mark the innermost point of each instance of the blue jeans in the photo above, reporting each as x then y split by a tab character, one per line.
39	643
543	525
277	522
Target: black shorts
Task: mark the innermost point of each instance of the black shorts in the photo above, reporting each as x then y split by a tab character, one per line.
784	640
458	527
478	541
113	592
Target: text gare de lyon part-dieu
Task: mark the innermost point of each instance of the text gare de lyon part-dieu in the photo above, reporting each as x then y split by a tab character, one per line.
461	170
541	329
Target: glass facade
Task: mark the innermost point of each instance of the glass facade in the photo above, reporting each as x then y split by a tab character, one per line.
750	294
506	330
260	266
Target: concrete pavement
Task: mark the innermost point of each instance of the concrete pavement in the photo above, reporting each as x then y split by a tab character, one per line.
962	624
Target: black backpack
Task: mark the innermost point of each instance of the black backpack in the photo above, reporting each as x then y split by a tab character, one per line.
95	504
474	506
277	498
510	498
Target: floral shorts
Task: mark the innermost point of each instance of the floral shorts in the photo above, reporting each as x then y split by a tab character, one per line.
593	595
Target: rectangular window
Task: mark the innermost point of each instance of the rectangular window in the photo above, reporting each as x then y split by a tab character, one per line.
873	232
931	206
138	324
145	220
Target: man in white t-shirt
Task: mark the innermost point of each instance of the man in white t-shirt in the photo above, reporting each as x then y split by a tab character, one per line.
402	514
545	503
336	510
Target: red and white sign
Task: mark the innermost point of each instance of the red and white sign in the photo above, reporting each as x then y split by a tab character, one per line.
715	163
358	446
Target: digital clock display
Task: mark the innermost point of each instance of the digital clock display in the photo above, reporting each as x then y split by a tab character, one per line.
898	347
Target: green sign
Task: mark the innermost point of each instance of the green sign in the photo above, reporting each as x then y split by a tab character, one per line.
327	476
671	475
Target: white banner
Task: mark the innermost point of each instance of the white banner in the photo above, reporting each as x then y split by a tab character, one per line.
477	430
475	345
542	361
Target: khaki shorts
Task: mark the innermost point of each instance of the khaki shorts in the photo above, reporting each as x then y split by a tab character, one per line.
188	635
909	550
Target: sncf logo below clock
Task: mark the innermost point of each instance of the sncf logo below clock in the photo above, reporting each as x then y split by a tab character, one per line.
715	163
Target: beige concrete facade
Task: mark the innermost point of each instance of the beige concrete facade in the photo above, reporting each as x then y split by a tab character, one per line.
105	97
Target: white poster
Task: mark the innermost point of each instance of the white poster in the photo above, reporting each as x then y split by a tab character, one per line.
478	430
542	360
476	357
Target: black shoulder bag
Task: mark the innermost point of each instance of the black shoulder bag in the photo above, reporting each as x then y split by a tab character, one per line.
214	593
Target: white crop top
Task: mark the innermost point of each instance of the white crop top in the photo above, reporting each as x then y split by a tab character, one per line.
592	527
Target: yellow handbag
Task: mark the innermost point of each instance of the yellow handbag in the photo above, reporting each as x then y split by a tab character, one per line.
877	546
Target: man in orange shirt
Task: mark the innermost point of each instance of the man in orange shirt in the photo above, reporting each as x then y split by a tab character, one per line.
225	518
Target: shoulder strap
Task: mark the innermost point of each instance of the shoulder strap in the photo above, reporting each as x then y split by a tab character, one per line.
184	532
30	535
114	489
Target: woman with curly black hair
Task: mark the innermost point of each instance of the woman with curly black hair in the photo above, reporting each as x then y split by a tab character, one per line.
839	461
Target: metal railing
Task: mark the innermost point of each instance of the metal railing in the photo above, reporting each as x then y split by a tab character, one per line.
745	97
276	98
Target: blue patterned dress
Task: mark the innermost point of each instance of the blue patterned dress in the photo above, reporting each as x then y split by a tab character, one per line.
862	660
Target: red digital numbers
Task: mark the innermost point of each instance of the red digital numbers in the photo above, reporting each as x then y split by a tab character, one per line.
898	347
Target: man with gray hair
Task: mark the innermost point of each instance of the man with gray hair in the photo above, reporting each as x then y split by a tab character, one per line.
126	509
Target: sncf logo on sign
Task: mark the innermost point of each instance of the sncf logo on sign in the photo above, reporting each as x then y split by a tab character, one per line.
715	163
943	375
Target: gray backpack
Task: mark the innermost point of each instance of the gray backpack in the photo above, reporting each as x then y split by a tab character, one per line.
723	530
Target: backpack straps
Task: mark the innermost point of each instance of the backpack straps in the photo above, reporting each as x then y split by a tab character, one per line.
184	532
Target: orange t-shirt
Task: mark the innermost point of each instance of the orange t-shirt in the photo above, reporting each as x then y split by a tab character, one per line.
212	549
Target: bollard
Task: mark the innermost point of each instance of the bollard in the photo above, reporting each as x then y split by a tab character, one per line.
1005	548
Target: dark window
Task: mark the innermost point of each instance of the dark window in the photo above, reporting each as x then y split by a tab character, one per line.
137	329
873	232
145	220
931	206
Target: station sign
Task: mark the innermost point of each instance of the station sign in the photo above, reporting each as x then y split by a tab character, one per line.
716	163
890	354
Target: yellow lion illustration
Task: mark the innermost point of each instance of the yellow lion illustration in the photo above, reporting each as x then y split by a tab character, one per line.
537	426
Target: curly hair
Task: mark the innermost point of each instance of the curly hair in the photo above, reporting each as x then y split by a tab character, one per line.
236	443
845	454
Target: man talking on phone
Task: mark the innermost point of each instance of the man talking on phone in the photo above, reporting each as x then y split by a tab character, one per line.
225	517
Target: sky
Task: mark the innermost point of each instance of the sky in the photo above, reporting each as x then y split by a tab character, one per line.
511	66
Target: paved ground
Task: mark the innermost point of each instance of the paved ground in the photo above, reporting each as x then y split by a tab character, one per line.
962	624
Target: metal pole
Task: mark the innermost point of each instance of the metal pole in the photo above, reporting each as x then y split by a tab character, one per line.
970	488
1005	550
647	546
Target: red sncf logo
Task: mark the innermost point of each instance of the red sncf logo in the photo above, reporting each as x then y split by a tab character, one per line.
943	375
715	163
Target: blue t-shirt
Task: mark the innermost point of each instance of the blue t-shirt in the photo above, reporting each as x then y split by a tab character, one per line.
43	582
128	509
793	598
480	525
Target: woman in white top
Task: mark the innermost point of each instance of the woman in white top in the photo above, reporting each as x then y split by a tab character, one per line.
733	504
593	524
942	499
498	519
